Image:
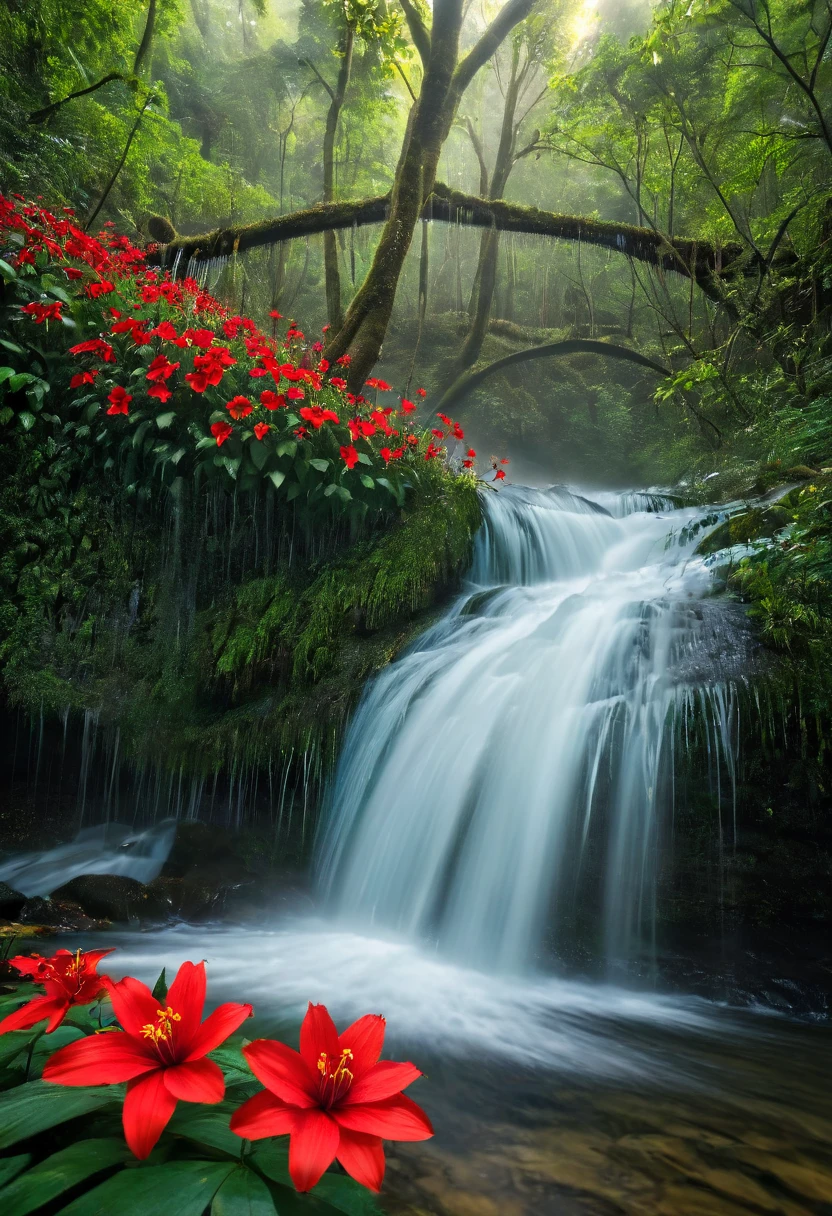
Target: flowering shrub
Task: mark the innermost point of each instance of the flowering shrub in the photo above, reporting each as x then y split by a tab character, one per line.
155	379
335	1098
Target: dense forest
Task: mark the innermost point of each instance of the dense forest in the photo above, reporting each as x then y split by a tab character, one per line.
310	311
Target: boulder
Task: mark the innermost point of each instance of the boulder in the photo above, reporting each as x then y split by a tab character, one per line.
203	893
112	897
11	902
60	914
197	845
757	524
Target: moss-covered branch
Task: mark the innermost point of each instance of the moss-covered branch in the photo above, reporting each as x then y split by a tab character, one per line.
690	258
467	382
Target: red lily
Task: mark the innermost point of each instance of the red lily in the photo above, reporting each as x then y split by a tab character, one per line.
335	1098
221	431
83	378
69	979
271	400
261	429
349	455
160	1053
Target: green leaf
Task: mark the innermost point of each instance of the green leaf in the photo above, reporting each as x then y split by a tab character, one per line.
20	380
12	346
61	1172
277	478
367	481
164	420
287	448
293	491
6	415
160	988
243	1194
26	420
5	373
10	1167
346	1195
6	271
329	491
36	1106
182	1187
259	453
208	1127
15	1041
320	464
364	458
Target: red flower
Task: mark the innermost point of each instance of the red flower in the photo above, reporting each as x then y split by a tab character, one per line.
467	464
261	429
386	455
379	384
317	416
505	460
335	1099
471	453
272	401
275	315
432	452
160	1053
421	392
119	399
198	381
295	394
350	458
43	312
239	407
499	475
161	368
160	391
458	431
83	378
338	383
221	431
407	406
72	272
345	360
103	288
444	418
69	979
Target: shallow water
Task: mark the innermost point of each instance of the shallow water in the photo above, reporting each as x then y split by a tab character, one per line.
548	1096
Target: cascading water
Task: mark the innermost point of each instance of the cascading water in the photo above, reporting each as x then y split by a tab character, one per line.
528	730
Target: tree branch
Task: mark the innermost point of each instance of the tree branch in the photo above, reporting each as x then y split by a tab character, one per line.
419	33
38	116
508	17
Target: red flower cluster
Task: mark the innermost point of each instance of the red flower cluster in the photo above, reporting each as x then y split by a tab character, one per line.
68	979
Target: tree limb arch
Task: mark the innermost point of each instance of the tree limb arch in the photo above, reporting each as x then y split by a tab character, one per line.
469	381
693	259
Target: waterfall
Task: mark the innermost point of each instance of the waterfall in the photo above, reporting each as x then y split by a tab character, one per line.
524	743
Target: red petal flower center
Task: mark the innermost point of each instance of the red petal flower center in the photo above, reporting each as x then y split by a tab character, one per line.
335	1079
160	1033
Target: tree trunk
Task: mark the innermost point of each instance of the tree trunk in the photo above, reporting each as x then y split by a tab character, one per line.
331	270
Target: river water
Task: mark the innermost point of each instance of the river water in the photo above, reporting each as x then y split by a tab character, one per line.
526	740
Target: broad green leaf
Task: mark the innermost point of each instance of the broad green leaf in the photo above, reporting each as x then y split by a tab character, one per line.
293	491
207	442
59	1173
330	490
346	1195
164	420
243	1194
272	1159
179	1188
367	481
6	373
320	464
12	346
26	420
34	1107
287	448
10	1167
364	458
15	1041
277	478
19	380
6	415
208	1127
160	988
259	453
6	271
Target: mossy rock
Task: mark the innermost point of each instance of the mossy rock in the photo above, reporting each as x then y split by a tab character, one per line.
757	524
112	897
801	472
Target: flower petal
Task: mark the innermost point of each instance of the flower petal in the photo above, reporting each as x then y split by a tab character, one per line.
281	1070
318	1037
133	1004
383	1080
196	1081
365	1039
263	1115
312	1147
217	1027
393	1119
186	996
147	1110
35	1011
99	1059
362	1157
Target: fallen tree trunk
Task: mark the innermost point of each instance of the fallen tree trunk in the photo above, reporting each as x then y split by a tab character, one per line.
693	259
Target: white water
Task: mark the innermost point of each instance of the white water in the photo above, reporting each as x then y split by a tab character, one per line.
108	848
526	731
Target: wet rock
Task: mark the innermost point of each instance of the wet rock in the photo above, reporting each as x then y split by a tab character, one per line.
757	524
202	894
11	902
113	897
62	915
198	845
